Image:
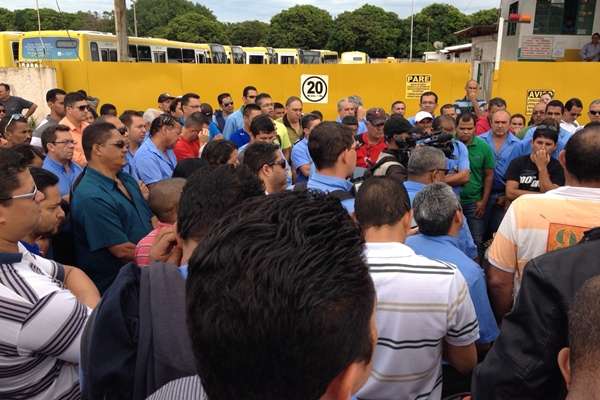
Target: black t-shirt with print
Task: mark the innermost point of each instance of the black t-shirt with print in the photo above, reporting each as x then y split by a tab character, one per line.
524	171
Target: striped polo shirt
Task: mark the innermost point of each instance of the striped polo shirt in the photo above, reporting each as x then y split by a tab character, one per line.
421	304
41	324
537	223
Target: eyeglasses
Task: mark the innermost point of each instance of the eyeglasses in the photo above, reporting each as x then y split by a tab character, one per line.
120	144
27	196
83	108
227	104
2	111
594	112
281	163
66	142
379	126
251	97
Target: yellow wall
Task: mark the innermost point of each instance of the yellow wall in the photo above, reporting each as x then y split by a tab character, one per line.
567	79
137	86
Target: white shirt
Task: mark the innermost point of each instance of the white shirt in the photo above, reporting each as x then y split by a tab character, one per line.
570	127
420	304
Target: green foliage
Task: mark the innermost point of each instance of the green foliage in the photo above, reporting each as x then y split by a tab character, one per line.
306	27
485	17
369	28
248	33
152	15
195	27
7	20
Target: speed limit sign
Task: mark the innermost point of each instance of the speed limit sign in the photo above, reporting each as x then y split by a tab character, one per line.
314	88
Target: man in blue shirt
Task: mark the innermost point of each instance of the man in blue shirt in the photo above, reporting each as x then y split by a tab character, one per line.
242	136
554	113
459	168
155	159
506	147
428	165
428	102
438	214
59	145
347	107
333	150
301	162
109	213
235	121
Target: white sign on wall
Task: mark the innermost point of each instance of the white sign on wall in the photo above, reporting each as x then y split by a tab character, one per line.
314	89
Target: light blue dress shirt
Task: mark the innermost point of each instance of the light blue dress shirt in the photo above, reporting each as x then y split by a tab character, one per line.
152	165
233	122
329	184
65	179
510	150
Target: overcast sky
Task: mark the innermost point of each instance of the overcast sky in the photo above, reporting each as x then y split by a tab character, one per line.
263	10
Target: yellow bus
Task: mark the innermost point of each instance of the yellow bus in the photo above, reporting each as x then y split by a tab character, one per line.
355	57
296	56
259	55
235	54
9	49
328	56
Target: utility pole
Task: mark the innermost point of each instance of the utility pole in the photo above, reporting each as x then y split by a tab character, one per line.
121	29
412	28
134	18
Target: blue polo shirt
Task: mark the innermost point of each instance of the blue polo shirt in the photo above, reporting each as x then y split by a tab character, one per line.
102	217
328	184
510	150
240	137
465	239
213	130
563	138
234	122
129	168
459	163
152	165
445	248
65	179
300	157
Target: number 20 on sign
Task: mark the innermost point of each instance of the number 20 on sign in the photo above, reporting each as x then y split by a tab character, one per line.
314	88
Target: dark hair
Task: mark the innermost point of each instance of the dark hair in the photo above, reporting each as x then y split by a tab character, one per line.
160	121
8	122
127	117
548	129
318	114
261	123
11	165
278	105
262	96
206	109
197	119
258	273
52	93
218	152
428	93
519	116
82	92
398	102
73	97
447	106
49	134
247	89
437	122
584	318
581	153
29	152
221	97
307	119
209	194
574	102
496	102
327	141
43	179
185	99
108	109
258	154
6	86
466	117
96	133
250	107
185	168
381	201
556	103
173	106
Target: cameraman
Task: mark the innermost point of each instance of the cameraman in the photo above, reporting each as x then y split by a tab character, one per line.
393	160
458	164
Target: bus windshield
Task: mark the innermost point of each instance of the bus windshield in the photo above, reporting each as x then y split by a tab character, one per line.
50	48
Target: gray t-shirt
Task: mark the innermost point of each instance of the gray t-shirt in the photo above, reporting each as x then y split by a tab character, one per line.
15	105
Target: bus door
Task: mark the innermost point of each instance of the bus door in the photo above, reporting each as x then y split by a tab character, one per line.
159	54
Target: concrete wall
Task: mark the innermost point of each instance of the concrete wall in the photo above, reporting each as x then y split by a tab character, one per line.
485	46
31	84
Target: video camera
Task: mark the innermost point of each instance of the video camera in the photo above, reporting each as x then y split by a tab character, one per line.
439	140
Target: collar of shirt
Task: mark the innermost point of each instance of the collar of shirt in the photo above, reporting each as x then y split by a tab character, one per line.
442	240
413	186
332	182
166	156
102	179
576	192
12	258
56	165
388	249
489	135
80	128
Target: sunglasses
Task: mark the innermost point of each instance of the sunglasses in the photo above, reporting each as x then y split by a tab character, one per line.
122	130
227	104
120	144
281	163
594	112
27	196
83	108
2	111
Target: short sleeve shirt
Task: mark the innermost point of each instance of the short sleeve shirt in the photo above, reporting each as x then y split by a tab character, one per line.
524	171
502	157
480	159
15	105
65	179
185	149
240	138
103	217
459	162
368	153
300	157
152	165
282	135
77	134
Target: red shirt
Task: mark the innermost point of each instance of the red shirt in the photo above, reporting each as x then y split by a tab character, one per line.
184	149
367	153
483	125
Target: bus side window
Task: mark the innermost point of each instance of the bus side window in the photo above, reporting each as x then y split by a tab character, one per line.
188	56
144	54
94	51
15	50
133	52
112	55
174	55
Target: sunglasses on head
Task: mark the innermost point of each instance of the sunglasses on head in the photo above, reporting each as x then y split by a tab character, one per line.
14	117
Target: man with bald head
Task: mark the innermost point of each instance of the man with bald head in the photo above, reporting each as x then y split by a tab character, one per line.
506	147
471	103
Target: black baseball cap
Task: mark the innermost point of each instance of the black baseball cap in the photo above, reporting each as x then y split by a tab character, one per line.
164	97
395	126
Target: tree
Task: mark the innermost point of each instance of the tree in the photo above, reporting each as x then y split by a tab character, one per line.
306	27
196	28
27	20
369	28
485	17
248	33
154	15
7	20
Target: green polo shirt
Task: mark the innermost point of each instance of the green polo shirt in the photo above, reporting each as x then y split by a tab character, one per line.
481	158
102	217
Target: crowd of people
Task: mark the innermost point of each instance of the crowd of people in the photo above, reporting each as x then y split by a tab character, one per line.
264	252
